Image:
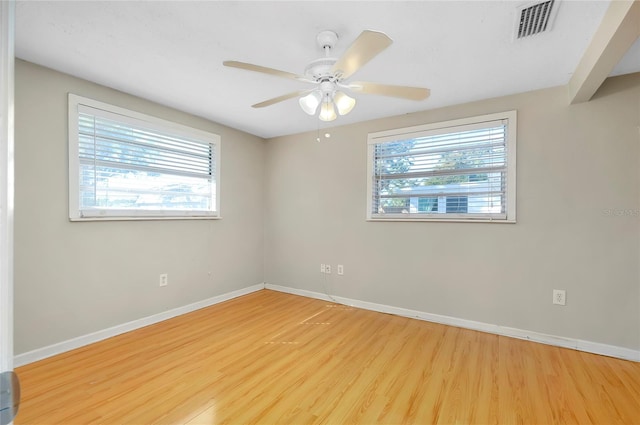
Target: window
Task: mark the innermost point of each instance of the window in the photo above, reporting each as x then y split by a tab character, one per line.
457	204
126	165
462	170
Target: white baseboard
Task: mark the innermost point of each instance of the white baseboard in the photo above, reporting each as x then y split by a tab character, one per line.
576	344
71	344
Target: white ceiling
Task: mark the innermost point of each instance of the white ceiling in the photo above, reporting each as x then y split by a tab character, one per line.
171	52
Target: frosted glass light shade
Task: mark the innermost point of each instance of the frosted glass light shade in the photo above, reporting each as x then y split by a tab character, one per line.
310	102
327	112
344	103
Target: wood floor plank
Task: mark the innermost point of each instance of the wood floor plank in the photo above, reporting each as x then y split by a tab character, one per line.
274	358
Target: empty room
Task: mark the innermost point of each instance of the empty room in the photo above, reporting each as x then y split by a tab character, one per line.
300	212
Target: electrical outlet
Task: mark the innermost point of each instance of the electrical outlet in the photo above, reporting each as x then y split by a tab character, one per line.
328	269
340	269
559	296
164	279
323	268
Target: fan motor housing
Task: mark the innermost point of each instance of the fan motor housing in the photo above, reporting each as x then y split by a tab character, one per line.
320	69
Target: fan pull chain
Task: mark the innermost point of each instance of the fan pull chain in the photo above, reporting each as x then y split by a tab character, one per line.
326	135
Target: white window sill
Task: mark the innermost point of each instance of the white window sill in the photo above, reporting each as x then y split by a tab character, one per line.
442	220
78	219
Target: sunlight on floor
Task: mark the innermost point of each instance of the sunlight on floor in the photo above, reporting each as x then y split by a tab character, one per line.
208	417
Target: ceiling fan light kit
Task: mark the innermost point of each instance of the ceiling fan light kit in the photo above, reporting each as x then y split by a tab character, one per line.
344	103
327	112
330	100
310	102
330	75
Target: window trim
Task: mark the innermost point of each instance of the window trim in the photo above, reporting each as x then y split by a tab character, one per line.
441	128
75	213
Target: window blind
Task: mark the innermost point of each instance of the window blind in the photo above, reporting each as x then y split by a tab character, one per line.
458	171
111	143
132	167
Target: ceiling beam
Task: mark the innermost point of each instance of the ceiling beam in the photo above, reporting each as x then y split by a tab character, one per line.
617	32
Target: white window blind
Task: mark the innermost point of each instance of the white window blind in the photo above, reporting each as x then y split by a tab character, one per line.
125	164
457	170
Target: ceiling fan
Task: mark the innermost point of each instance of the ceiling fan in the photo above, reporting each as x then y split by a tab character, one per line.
330	77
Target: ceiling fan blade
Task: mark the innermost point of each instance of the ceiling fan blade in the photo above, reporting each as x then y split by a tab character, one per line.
265	70
362	50
405	92
281	98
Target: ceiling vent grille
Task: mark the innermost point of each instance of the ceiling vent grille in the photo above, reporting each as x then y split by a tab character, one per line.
535	18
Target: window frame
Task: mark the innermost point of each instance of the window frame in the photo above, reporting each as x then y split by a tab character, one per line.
444	127
133	117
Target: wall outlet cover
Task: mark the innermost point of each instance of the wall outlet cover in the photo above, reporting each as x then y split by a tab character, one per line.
559	296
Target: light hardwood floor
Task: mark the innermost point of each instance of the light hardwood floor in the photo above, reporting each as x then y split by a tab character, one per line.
275	358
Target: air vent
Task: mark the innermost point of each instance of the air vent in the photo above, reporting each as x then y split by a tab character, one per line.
535	18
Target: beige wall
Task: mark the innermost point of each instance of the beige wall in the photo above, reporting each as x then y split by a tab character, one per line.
75	278
575	163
